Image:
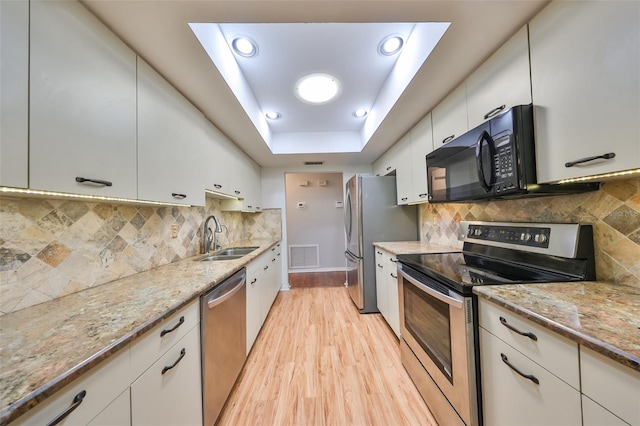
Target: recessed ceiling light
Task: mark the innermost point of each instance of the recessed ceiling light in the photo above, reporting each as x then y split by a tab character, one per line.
359	113
244	46
390	45
318	88
273	115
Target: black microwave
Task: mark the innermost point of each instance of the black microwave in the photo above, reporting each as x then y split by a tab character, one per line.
492	161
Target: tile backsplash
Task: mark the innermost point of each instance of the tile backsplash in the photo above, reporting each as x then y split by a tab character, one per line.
51	247
614	212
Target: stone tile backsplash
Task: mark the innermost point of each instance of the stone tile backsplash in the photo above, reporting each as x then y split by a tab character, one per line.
614	212
50	247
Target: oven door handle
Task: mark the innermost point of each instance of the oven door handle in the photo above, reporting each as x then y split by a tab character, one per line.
455	303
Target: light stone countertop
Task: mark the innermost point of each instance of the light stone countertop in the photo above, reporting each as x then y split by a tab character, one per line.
598	315
412	247
45	347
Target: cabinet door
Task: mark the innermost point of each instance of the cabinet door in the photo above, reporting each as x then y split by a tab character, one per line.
254	315
393	307
510	399
14	96
500	83
404	187
171	139
82	99
450	117
388	162
381	283
217	158
421	145
595	415
585	77
118	413
170	391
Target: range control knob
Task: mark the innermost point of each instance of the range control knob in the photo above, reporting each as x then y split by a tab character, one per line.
525	236
477	232
540	238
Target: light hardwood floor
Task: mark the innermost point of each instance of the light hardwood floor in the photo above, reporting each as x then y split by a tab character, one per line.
317	361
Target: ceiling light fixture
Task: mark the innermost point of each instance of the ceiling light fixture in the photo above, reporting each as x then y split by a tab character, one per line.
244	46
273	115
359	113
318	88
390	45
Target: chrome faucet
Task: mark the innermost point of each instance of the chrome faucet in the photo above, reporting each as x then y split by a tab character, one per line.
209	237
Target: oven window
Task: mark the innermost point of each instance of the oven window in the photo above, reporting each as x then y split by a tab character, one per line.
427	319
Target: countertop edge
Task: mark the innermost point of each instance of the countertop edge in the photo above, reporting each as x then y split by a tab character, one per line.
21	406
590	342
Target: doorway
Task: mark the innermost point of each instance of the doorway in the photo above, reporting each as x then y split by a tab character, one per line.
315	229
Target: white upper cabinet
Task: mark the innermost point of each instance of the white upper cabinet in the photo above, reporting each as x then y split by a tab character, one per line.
217	157
14	102
171	139
245	183
82	104
585	77
421	145
404	187
450	117
388	162
503	81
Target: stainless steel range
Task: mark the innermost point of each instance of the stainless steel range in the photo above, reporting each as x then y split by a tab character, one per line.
438	311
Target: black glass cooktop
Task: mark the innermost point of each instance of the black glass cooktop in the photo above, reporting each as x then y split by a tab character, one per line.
461	271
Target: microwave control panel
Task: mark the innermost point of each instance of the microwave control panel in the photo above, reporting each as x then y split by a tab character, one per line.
505	167
519	235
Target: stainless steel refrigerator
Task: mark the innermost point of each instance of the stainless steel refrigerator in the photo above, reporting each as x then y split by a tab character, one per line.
371	215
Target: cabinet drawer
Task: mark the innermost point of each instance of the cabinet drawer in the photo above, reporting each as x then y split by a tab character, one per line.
170	391
157	341
102	385
510	399
550	350
118	413
594	414
610	384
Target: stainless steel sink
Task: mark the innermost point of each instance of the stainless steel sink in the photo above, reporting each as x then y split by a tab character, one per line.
227	254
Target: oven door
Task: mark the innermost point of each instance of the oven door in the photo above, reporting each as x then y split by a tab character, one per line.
463	169
437	324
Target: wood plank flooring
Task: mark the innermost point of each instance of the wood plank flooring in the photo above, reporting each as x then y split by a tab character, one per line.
317	279
317	361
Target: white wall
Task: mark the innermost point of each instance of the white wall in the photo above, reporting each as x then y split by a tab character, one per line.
273	195
319	221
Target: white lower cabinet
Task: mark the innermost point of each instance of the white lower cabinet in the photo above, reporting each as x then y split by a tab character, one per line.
387	288
510	398
593	414
116	413
254	316
381	283
170	391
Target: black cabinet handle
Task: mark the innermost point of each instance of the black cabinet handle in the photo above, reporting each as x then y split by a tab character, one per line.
77	400
448	139
257	207
494	111
422	195
531	377
254	281
389	168
237	192
94	181
178	196
607	156
395	277
180	322
278	254
531	336
217	186
393	260
379	252
273	260
183	352
380	266
403	199
266	267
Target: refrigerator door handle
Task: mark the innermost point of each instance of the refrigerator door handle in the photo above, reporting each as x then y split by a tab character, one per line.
352	256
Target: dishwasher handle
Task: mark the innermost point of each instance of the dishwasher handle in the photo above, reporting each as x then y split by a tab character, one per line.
227	289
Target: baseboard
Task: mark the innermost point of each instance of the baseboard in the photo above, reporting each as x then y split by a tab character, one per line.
308	270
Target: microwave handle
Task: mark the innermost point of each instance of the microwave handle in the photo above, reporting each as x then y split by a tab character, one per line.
484	136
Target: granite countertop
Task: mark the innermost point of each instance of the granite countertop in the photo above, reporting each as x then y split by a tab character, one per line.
44	347
411	247
601	316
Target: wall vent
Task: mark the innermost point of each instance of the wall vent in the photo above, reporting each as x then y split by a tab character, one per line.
303	256
313	163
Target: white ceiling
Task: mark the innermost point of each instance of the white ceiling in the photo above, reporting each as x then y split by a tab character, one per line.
159	32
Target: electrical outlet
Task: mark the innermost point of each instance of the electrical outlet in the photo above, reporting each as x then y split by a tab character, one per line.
174	231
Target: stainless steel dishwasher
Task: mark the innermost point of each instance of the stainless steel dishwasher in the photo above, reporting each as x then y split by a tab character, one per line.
224	342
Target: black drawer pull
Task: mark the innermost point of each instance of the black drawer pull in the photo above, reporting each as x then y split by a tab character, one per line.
77	400
273	260
389	168
266	267
494	111
217	186
249	207
607	156
380	266
393	260
422	195
183	352
394	276
403	199
178	196
94	181
379	252
253	281
237	192
180	322
531	377
448	139
531	336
